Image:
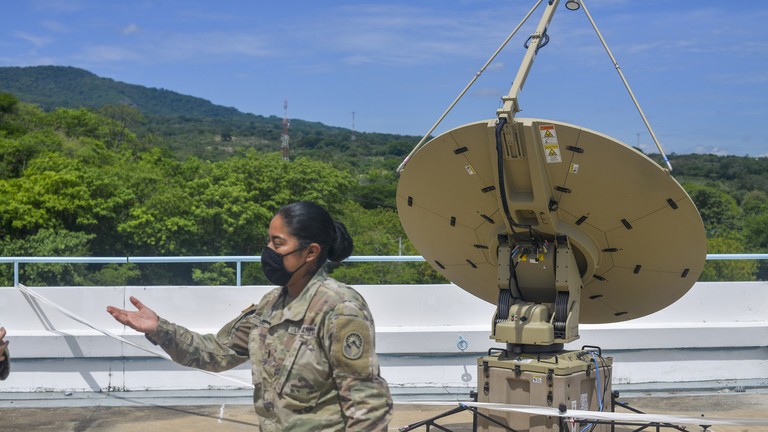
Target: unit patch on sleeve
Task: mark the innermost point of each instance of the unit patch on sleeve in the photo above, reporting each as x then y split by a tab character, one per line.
353	346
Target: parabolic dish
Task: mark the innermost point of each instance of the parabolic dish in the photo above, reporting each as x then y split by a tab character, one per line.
638	237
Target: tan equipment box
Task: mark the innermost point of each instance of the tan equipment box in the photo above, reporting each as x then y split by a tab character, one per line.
545	381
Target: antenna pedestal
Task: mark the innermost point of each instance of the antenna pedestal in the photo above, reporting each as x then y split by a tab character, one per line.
539	296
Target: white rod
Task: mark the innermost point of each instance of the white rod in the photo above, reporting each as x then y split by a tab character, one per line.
626	84
463	92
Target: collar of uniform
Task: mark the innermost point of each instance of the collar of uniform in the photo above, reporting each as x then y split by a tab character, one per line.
296	309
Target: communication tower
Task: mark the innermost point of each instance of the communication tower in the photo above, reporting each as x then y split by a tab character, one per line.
284	138
353	127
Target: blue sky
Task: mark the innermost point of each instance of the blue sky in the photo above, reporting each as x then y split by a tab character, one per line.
698	68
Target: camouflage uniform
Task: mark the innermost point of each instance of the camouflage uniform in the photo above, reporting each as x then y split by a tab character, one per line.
5	365
314	360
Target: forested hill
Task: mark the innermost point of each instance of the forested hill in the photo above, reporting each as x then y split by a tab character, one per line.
191	126
52	87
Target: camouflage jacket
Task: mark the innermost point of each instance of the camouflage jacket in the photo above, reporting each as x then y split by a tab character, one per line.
314	360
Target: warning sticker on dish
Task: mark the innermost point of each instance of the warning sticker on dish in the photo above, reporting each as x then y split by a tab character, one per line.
549	141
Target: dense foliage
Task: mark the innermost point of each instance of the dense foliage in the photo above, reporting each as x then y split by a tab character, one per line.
731	193
76	182
187	126
101	168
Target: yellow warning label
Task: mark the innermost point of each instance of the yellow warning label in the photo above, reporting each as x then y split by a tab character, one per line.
548	135
553	155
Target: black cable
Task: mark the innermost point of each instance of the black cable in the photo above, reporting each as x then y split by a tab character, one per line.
513	277
500	164
561	313
607	374
502	186
541	43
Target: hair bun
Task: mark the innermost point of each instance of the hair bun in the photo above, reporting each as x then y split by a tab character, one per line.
342	245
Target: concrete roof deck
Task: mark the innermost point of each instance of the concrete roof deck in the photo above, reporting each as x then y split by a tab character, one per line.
229	411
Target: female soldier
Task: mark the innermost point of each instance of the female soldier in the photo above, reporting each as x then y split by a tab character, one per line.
311	340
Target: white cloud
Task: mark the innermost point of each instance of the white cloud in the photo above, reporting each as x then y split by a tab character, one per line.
180	47
57	6
55	26
129	29
198	46
489	92
403	35
99	54
37	41
712	150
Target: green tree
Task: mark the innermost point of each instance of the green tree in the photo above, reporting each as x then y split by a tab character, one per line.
719	210
163	224
123	119
9	108
728	270
116	275
78	123
755	207
17	152
8	104
755	202
47	243
378	232
215	274
377	188
156	218
59	192
226	206
50	194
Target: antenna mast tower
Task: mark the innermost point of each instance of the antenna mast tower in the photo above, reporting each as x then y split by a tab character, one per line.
284	138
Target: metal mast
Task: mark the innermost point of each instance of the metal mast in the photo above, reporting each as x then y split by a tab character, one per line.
284	138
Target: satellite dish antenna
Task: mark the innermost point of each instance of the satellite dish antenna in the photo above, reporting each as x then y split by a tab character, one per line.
636	239
557	225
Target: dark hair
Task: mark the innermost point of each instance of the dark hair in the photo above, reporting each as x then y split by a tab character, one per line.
310	223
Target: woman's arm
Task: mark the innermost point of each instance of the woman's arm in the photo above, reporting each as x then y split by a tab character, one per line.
222	351
215	353
364	395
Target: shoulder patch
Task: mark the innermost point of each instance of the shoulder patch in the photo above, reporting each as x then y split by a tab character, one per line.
352	346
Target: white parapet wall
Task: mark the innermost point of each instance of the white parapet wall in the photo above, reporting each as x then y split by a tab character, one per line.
427	336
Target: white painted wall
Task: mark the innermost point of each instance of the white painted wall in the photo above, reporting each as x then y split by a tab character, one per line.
717	332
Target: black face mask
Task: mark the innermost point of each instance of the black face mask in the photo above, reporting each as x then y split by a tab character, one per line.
274	268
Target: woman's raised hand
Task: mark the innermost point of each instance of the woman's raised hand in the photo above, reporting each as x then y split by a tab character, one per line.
142	320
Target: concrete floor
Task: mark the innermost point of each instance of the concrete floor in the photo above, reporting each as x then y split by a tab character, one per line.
128	412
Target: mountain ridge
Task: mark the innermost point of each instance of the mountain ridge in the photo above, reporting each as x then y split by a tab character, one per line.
52	87
191	125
